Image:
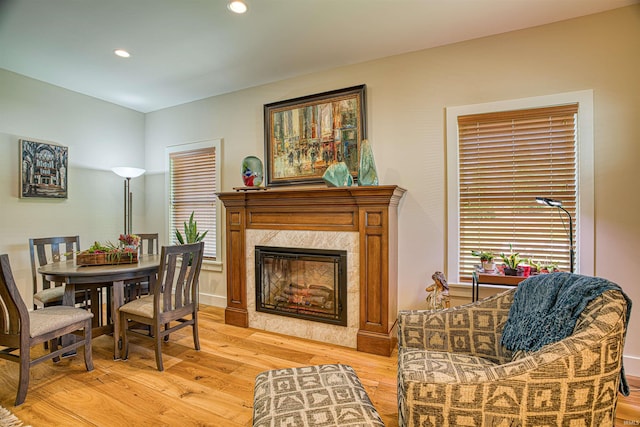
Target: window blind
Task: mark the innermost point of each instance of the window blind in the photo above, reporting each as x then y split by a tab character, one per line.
506	160
193	187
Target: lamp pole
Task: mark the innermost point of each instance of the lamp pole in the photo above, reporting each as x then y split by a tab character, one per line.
571	251
558	204
128	173
128	208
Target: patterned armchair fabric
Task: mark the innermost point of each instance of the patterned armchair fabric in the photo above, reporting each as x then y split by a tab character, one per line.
453	371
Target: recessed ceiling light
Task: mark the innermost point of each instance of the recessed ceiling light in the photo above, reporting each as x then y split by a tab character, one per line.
122	53
237	6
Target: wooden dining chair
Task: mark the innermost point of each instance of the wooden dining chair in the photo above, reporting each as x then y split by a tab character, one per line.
46	250
20	329
148	241
148	246
173	302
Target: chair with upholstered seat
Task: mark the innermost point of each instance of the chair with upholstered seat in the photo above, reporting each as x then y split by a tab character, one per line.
46	250
20	329
173	299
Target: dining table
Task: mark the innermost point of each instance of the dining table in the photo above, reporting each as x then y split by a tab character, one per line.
112	275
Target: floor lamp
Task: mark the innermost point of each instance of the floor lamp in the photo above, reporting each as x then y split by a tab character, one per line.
558	204
128	173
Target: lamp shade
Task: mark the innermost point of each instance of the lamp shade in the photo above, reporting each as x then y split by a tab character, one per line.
127	172
549	202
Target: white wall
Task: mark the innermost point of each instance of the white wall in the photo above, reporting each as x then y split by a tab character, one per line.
99	135
406	98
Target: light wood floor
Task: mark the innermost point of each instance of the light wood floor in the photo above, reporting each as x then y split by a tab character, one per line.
213	387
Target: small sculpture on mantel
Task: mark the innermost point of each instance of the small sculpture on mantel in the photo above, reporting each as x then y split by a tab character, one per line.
338	175
367	172
438	292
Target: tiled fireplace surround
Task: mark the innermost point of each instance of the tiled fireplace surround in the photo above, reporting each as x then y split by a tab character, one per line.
360	220
299	327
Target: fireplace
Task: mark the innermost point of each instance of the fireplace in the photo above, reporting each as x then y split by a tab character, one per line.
308	284
361	220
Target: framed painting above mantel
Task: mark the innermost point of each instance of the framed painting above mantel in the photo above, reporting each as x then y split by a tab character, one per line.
43	170
306	135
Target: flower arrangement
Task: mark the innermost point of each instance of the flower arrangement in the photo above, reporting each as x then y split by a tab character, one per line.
99	254
129	240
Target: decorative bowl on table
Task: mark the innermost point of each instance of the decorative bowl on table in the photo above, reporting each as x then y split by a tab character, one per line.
126	252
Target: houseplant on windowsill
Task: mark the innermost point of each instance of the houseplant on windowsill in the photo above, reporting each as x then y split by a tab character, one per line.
191	233
548	267
486	257
511	262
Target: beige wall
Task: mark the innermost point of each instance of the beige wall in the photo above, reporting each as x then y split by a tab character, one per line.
406	98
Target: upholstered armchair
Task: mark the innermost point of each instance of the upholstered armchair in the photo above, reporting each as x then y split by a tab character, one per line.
453	370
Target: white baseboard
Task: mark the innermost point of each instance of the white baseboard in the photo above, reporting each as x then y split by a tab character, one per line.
213	300
631	365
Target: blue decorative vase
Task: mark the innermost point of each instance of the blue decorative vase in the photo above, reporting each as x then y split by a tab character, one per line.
252	171
367	173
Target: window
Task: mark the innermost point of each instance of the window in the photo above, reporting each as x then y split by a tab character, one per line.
504	159
193	182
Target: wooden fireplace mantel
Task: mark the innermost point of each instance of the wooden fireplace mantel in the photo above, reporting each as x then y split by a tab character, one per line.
372	211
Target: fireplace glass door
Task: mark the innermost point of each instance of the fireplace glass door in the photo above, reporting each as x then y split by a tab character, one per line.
309	284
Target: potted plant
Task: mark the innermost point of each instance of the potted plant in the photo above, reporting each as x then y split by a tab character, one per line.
511	262
486	257
191	233
107	253
548	267
535	266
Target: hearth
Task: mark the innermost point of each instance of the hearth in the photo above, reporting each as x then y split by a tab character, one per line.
305	283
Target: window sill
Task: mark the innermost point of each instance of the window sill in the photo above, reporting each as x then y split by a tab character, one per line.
212	265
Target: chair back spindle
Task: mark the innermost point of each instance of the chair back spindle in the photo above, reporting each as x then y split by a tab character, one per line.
13	311
148	243
46	250
178	277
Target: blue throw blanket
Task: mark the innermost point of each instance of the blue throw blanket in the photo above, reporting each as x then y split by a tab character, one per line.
546	307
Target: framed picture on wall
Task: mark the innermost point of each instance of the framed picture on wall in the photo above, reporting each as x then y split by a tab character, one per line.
43	169
304	136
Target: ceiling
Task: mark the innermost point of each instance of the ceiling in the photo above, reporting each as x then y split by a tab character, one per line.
184	50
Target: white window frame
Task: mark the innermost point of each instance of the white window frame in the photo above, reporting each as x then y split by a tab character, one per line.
217	145
585	178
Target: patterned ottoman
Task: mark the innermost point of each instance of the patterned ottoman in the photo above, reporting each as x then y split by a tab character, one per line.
322	395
